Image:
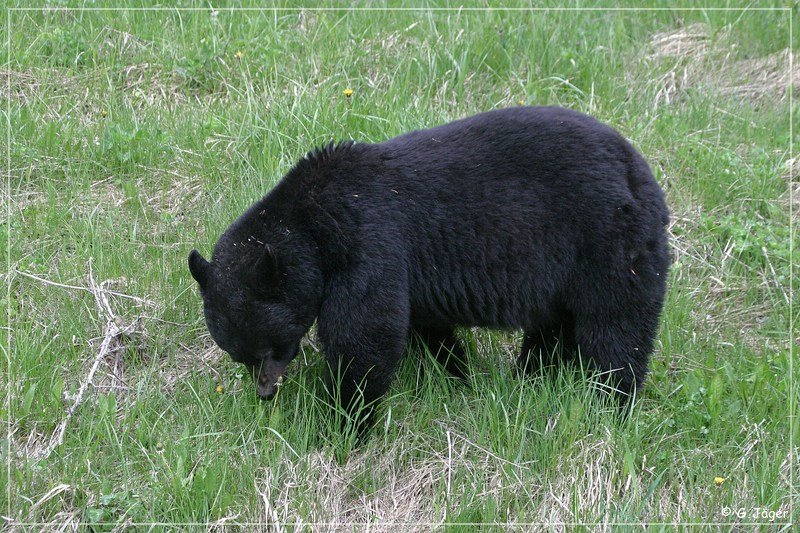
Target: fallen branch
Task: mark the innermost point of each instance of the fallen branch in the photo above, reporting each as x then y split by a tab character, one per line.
87	289
113	337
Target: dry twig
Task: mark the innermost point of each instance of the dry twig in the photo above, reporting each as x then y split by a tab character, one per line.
87	289
113	339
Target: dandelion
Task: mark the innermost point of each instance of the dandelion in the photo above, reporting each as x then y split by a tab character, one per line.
219	389
348	93
239	54
104	113
521	102
719	480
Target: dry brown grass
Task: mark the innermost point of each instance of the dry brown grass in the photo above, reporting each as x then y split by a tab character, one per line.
711	275
689	41
405	492
404	487
696	60
66	93
790	200
68	518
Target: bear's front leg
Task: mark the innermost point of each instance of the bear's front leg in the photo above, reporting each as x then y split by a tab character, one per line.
363	329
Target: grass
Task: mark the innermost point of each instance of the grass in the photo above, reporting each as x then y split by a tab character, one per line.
139	135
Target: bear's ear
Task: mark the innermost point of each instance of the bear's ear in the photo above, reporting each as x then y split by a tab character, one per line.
198	266
266	269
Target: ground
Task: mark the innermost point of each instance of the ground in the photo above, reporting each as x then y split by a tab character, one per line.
138	135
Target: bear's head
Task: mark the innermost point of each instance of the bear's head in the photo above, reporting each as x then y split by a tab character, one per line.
255	310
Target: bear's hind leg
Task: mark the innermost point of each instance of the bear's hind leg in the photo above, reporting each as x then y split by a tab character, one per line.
618	347
442	343
546	347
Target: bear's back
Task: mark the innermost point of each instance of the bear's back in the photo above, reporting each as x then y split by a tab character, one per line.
492	218
513	198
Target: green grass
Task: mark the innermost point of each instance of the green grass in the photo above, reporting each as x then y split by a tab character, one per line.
139	135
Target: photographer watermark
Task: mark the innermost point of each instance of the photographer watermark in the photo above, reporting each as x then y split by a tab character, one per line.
756	514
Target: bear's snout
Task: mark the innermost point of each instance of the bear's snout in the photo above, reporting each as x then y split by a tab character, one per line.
268	377
266	392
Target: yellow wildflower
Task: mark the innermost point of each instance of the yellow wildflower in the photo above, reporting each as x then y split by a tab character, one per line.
719	480
348	93
104	113
219	389
239	54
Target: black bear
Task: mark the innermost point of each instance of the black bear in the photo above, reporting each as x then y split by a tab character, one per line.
532	218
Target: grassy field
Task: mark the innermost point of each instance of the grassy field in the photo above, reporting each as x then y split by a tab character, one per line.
136	136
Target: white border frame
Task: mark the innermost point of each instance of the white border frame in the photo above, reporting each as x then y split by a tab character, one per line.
790	399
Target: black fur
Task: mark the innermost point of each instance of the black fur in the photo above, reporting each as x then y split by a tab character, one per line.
532	218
